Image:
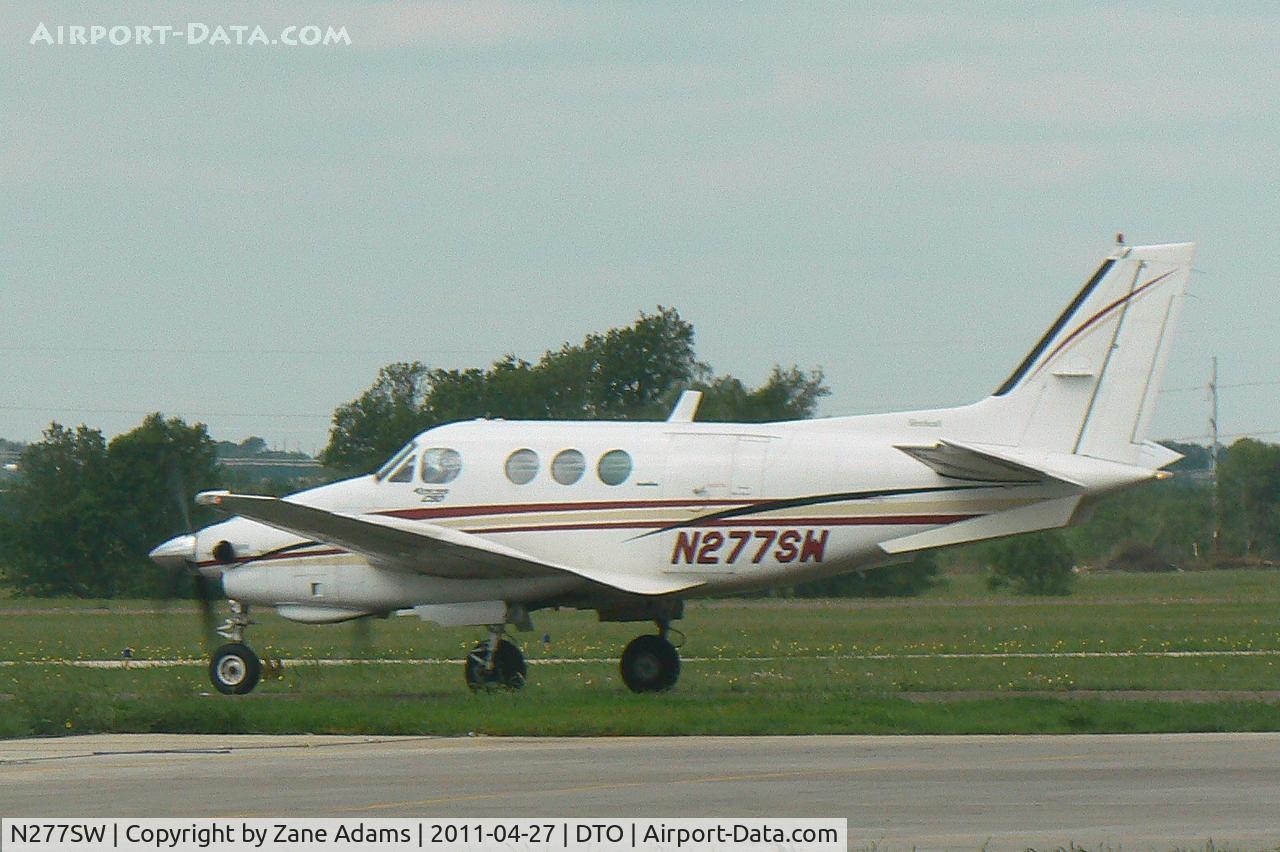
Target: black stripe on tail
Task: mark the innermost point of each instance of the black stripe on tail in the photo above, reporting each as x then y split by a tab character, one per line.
1035	353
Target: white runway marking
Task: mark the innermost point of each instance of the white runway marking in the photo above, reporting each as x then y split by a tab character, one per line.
434	661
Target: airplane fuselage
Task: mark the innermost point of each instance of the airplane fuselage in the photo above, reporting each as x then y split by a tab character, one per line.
735	507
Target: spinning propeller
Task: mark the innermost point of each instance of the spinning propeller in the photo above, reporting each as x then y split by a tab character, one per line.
180	553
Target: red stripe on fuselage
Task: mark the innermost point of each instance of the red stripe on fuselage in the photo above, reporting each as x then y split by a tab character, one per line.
425	512
872	521
271	557
869	521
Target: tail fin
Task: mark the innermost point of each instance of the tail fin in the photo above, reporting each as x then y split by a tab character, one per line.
1090	385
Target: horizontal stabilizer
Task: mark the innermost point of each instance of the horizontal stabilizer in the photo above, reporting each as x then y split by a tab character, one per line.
957	461
1044	515
1155	455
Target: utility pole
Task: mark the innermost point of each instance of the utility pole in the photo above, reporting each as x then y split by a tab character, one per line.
1213	454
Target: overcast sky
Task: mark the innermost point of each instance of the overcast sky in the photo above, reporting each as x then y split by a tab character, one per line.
243	234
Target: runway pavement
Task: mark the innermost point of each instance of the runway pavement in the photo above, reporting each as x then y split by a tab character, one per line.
1009	792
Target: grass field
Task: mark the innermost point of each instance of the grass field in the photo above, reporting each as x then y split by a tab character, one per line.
761	666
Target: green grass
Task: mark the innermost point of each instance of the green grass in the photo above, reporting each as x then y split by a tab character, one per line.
560	701
752	667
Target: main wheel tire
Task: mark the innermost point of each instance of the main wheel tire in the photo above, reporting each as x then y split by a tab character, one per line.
235	669
508	670
650	664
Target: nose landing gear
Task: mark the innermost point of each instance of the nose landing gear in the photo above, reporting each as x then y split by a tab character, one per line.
234	668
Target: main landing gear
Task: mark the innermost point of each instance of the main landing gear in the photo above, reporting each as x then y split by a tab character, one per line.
234	668
495	663
651	663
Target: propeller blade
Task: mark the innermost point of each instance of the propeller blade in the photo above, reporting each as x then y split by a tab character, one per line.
206	594
179	491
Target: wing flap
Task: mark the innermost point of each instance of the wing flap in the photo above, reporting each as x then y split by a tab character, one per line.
421	547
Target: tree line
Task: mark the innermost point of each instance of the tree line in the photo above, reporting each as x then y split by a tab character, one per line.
631	373
85	511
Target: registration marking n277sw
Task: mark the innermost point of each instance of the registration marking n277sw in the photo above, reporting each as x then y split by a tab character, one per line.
718	548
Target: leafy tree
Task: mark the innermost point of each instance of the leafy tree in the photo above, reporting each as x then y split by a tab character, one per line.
1195	457
371	427
631	373
252	446
1136	556
85	513
1171	518
1249	497
155	470
632	369
789	394
62	539
1039	564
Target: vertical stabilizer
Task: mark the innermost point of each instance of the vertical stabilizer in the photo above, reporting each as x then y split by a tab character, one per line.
1089	386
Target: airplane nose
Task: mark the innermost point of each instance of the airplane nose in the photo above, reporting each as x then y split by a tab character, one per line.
177	552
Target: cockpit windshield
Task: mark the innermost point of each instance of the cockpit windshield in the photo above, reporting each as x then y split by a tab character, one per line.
394	462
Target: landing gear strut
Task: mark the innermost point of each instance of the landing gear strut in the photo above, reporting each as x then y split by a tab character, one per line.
495	663
651	663
234	668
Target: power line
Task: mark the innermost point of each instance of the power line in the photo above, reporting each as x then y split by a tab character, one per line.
1206	436
176	350
1220	387
178	409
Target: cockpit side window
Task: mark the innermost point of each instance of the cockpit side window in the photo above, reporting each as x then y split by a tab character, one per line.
405	472
394	462
440	465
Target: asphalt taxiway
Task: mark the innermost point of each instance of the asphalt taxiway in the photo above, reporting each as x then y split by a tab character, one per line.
1131	791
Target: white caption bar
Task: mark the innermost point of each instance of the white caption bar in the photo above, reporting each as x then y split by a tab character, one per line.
275	835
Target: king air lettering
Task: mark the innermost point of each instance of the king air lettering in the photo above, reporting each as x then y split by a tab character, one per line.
714	547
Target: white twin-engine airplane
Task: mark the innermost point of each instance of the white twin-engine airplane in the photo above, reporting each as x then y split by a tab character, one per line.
484	522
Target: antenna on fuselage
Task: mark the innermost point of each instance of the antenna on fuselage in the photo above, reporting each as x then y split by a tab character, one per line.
686	407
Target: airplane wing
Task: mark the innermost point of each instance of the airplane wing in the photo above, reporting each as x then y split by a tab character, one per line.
425	548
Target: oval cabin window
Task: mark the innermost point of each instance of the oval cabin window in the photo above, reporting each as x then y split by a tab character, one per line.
567	466
522	466
614	467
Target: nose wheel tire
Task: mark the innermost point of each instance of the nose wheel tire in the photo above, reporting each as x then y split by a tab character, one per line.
650	664
235	669
507	672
